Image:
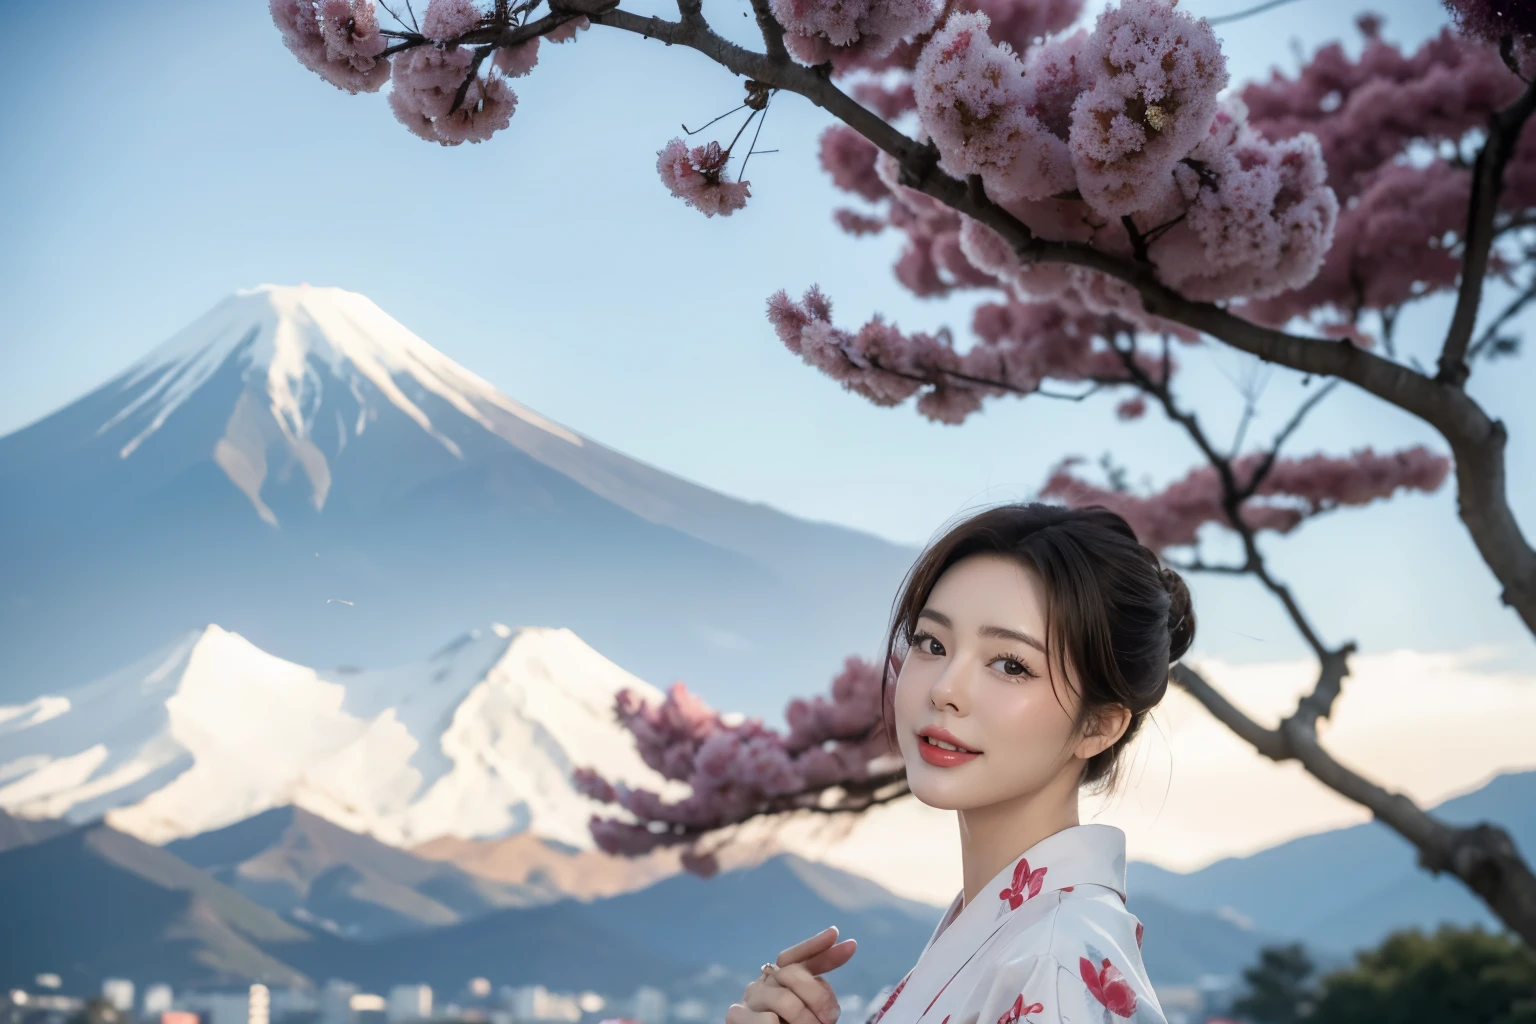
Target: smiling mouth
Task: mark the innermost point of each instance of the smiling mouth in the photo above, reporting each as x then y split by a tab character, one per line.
942	753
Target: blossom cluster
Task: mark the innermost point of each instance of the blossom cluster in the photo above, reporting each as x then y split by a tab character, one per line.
1112	137
736	771
443	90
1019	345
1290	492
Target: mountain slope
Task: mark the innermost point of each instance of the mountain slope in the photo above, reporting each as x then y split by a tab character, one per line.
302	866
478	740
1348	887
94	902
16	831
301	468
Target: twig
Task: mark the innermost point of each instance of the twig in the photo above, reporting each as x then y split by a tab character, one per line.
1227	19
1510	312
1487	184
742	170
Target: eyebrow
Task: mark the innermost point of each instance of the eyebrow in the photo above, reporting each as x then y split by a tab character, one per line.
993	631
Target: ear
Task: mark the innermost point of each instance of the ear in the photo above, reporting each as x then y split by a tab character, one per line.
1104	731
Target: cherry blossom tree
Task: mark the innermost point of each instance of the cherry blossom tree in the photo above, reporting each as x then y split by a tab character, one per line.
1111	203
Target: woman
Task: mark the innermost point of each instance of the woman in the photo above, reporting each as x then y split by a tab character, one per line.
1032	641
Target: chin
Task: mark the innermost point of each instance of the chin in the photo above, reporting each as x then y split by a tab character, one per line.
945	793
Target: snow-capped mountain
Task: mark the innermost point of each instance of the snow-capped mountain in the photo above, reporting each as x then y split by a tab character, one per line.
478	740
302	469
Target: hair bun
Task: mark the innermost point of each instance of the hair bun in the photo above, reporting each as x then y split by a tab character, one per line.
1181	615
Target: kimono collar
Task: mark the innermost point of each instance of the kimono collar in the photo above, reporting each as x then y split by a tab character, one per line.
1079	855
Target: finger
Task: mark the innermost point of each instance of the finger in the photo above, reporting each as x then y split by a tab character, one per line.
832	958
739	1014
816	994
808	947
761	996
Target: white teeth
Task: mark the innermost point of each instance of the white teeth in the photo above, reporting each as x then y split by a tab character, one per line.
941	744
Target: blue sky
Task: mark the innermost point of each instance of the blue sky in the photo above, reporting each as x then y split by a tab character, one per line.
183	154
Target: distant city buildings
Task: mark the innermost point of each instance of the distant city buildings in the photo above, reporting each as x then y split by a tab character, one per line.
408	1003
157	999
118	992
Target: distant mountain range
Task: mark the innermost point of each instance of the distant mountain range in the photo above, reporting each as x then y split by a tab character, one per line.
274	892
302	469
1349	887
477	740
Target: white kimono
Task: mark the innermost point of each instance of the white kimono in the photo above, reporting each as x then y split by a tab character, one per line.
1048	941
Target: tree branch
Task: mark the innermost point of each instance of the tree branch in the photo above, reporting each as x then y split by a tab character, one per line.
773	32
1487	184
1477	442
1482	856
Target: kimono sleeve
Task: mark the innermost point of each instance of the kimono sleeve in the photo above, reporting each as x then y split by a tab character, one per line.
1016	990
1096	991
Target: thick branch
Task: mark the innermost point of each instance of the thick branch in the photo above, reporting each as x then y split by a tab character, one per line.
1482	856
1487	184
1476	440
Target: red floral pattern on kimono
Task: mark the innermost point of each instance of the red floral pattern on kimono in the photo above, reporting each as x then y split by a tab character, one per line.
1017	1010
1108	986
1014	958
1139	930
890	1000
1026	883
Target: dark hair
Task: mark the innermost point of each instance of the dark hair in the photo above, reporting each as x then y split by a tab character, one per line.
1113	613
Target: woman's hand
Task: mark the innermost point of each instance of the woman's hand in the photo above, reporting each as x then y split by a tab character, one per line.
795	993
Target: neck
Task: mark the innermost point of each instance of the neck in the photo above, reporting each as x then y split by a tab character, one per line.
994	836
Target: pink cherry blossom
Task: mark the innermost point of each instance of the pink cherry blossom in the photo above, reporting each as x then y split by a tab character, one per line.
850	159
1365	111
426	81
1019	23
1260	217
816	31
338	39
1293	490
973	101
1156	75
733	771
445	20
1396	241
697	177
566	31
517	61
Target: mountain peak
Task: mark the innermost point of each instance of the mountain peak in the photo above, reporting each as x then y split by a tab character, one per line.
318	364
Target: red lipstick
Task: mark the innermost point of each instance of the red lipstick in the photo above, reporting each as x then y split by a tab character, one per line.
941	756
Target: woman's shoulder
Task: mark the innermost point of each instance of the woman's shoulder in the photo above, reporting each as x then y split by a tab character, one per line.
1077	960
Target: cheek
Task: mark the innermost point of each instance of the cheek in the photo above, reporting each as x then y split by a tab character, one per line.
1026	717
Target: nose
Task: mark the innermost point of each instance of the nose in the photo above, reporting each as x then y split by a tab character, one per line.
947	692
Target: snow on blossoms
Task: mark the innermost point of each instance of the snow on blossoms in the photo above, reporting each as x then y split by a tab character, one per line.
817	30
697	177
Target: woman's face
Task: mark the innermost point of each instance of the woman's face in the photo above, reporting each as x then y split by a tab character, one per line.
977	674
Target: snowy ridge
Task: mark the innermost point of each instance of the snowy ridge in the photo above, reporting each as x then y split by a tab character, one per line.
283	337
477	741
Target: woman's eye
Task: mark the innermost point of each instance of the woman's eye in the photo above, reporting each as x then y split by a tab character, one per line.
1012	667
929	645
